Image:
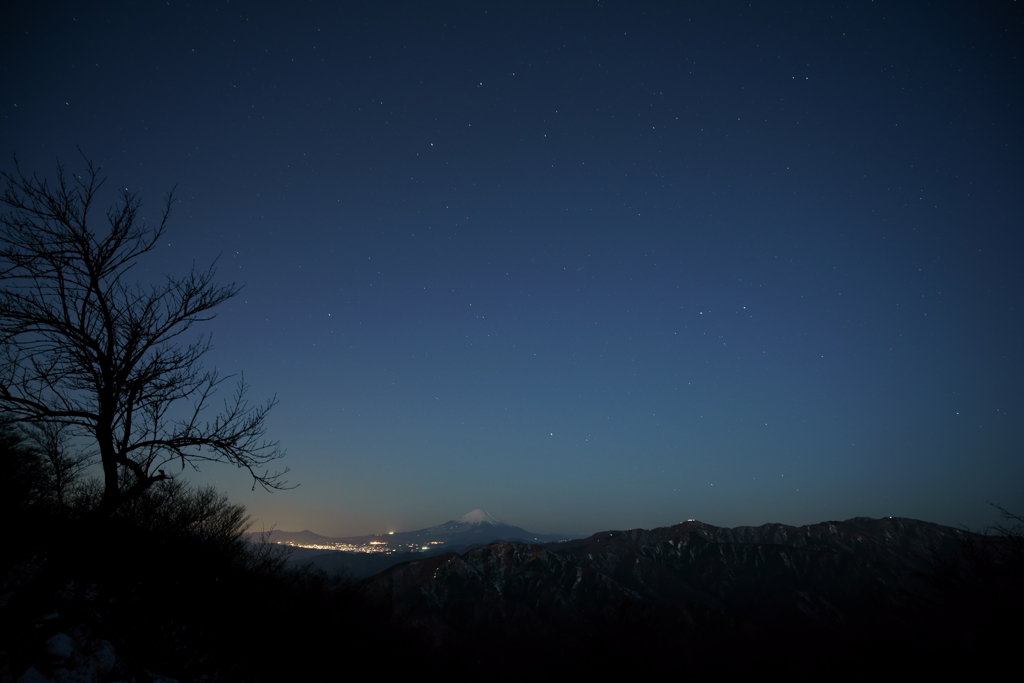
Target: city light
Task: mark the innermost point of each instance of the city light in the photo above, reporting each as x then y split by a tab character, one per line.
370	547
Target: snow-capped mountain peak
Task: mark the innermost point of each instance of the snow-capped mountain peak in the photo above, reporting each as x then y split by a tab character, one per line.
480	517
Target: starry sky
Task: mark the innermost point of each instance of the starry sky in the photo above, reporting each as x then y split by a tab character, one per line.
584	265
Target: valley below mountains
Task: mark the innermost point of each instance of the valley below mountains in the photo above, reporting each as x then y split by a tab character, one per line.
359	557
836	597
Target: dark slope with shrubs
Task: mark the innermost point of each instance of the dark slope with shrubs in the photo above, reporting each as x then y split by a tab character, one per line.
188	601
168	588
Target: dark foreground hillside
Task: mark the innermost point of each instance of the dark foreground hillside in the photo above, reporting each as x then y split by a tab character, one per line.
169	590
835	598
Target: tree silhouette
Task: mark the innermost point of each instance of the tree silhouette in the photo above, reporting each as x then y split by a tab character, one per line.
63	464
102	358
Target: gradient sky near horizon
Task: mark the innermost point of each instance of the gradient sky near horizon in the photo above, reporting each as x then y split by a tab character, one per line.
584	265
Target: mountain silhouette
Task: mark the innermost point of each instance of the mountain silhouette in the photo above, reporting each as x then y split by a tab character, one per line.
686	593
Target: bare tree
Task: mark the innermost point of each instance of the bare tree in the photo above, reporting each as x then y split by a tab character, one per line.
64	463
84	349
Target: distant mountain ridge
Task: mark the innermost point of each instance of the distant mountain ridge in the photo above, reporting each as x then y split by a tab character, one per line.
675	592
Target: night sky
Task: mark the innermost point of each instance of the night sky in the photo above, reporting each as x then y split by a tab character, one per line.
583	265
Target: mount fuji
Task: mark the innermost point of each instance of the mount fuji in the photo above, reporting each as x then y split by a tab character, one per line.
480	517
477	527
